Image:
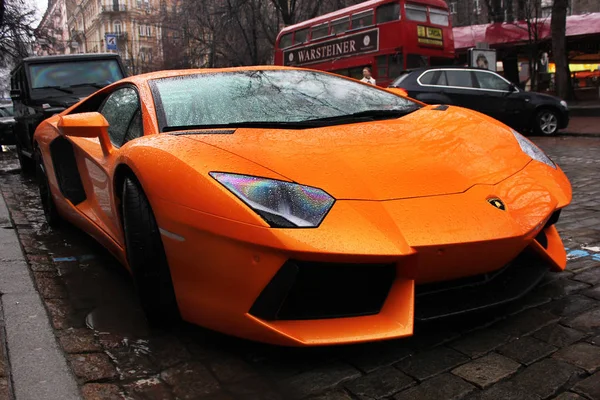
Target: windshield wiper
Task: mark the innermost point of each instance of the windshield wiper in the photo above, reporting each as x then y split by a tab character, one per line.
368	115
62	89
96	85
248	124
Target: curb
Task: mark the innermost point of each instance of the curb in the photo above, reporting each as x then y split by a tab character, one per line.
592	135
38	367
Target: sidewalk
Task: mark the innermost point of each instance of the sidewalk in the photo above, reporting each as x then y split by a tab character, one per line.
583	126
34	366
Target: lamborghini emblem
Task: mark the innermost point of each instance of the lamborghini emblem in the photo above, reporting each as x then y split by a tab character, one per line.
496	202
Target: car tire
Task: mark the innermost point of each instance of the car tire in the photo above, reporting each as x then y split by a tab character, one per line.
53	219
147	258
546	122
26	163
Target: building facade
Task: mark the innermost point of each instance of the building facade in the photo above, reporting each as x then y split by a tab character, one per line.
52	32
131	26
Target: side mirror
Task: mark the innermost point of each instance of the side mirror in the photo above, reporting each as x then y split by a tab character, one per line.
15	94
512	87
87	125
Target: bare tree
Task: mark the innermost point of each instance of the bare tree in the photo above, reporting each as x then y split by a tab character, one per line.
558	25
215	33
16	30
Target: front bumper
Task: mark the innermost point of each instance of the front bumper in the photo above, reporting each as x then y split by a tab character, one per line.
564	119
236	278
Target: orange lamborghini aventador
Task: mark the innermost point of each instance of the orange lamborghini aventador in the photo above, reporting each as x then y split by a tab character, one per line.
298	207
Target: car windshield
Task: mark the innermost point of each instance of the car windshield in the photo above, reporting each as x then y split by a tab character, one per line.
269	97
73	73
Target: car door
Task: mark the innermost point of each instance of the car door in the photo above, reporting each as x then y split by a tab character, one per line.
459	86
122	111
496	90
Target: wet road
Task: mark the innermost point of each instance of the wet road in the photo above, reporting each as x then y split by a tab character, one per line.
509	352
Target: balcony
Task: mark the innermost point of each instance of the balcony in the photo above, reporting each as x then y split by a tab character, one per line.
119	35
115	7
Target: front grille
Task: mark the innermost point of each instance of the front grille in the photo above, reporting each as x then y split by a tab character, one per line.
314	290
433	301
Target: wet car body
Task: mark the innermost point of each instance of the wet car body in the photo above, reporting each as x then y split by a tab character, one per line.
287	221
489	93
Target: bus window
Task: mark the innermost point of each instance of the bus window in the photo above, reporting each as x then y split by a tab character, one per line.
340	25
438	17
285	41
395	65
319	31
363	19
343	72
382	66
440	61
356	72
301	36
415	61
415	13
388	12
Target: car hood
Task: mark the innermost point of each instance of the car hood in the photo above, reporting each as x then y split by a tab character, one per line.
429	152
541	97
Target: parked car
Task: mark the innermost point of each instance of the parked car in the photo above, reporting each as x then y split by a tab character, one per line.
43	86
298	207
7	123
489	93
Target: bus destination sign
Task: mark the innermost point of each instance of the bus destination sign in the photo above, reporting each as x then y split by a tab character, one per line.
430	36
348	45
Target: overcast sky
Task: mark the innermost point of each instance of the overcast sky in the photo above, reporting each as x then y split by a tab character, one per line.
41	6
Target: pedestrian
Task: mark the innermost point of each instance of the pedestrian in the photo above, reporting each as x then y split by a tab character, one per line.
367	78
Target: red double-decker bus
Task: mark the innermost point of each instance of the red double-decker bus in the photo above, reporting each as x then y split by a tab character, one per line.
388	36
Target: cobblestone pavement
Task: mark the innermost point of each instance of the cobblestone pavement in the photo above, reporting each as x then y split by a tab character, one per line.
547	345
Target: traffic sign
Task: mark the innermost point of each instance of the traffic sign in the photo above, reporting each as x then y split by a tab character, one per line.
111	41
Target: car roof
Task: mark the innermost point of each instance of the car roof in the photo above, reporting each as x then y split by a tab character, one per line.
64	57
423	69
69	57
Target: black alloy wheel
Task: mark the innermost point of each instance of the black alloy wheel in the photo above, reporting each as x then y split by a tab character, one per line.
146	257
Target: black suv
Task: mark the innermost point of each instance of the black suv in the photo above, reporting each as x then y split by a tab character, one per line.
44	86
487	92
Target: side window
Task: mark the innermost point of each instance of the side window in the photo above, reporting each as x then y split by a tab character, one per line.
119	109
340	25
285	41
415	12
388	12
459	78
320	31
136	128
427	78
301	36
415	61
490	81
362	19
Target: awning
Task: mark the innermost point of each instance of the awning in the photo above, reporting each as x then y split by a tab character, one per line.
505	34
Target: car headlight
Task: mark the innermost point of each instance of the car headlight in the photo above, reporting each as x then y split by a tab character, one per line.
532	150
281	204
564	104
